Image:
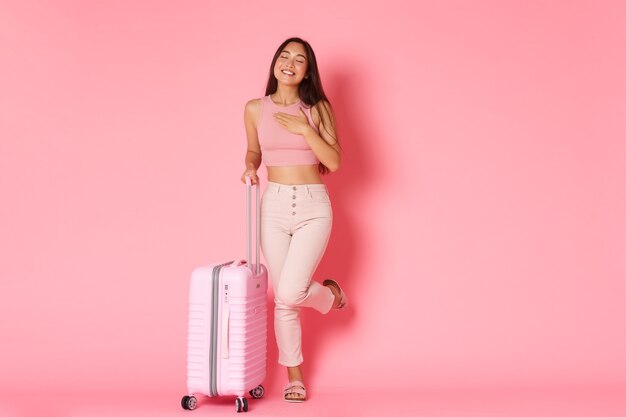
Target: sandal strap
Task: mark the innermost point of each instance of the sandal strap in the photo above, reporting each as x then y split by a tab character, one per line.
295	384
295	387
295	390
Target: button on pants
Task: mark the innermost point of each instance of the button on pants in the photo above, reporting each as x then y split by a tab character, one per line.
295	226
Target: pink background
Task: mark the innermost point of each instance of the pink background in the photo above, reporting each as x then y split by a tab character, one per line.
480	224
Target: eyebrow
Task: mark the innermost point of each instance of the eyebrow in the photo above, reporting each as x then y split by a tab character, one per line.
289	52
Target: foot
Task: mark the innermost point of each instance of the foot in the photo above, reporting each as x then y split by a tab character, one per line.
341	300
295	392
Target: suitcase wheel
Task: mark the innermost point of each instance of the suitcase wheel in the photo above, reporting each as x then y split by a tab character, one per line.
189	402
242	404
257	392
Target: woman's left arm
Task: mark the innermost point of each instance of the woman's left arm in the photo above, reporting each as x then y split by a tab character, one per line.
324	145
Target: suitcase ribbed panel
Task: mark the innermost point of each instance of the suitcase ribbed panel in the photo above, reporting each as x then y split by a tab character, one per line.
247	343
199	330
197	347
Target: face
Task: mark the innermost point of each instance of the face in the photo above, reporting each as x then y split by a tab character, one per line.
292	64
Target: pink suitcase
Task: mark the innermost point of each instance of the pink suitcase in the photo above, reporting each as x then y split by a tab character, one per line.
227	334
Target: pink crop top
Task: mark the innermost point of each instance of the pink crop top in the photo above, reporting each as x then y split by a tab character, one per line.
279	147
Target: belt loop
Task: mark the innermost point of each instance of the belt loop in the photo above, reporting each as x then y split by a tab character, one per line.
277	188
308	190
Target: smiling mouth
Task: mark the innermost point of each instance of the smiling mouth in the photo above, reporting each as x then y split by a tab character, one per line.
287	72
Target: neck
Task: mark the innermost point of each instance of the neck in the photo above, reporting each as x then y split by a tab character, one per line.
286	95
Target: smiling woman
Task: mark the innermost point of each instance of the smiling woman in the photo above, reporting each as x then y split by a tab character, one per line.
292	130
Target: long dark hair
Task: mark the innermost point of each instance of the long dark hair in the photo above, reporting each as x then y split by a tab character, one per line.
310	89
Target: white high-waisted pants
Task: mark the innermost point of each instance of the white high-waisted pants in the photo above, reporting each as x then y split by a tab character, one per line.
295	226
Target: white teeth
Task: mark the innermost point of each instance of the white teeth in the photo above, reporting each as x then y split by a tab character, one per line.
287	72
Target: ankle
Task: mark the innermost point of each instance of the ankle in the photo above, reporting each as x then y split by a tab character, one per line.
294	373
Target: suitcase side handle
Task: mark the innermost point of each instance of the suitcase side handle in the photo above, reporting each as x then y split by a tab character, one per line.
225	324
255	268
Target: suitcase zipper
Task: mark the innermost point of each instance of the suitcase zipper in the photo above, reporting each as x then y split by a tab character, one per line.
215	301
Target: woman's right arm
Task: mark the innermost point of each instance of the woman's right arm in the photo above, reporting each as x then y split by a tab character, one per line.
253	154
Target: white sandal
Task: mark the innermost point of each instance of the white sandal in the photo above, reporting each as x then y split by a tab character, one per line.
295	387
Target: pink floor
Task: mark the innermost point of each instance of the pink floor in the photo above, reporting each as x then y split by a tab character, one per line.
607	402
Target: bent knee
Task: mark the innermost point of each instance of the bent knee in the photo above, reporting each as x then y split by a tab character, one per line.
291	298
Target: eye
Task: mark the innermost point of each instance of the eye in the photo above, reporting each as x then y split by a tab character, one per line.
299	61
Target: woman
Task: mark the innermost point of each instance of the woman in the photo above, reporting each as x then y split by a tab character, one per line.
292	131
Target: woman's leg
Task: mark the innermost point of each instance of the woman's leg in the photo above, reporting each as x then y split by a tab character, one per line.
293	287
293	244
275	242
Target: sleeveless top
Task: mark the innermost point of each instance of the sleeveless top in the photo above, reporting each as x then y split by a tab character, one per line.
279	147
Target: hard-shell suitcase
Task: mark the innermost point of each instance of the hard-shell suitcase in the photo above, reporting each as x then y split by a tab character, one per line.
227	333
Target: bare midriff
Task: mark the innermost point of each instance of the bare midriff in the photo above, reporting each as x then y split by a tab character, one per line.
294	175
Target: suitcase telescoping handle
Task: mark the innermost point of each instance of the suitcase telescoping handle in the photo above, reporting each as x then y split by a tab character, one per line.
255	268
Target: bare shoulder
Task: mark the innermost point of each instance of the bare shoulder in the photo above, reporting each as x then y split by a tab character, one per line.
252	111
322	105
323	108
253	105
